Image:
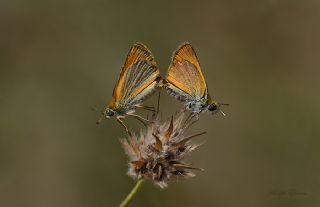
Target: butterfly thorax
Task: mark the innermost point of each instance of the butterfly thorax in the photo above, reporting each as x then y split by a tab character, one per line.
202	104
197	105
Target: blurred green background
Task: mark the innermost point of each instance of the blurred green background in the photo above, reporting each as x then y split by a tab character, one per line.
60	58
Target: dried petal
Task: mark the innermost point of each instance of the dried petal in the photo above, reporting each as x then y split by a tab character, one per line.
158	153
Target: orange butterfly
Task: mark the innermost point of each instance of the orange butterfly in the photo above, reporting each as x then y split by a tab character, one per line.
186	82
139	78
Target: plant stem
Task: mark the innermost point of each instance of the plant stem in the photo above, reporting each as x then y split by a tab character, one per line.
133	192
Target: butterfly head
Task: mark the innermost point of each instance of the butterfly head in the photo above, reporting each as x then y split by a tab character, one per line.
215	107
108	113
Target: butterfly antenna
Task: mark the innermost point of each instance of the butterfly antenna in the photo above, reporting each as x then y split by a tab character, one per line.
158	104
99	120
93	108
224	104
222	112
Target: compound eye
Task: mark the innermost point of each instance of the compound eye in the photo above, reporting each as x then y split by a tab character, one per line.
110	113
212	107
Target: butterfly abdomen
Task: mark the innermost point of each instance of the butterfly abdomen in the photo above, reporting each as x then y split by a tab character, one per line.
175	94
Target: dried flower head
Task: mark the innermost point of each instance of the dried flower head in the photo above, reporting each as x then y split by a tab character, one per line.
158	153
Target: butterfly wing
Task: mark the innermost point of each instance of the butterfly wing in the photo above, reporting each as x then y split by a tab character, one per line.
141	81
136	77
185	79
136	53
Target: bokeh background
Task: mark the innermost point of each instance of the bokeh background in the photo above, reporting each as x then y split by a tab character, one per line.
60	58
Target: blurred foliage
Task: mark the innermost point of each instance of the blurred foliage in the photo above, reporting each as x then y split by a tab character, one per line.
60	58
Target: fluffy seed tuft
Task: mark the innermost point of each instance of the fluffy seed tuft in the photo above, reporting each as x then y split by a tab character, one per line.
158	153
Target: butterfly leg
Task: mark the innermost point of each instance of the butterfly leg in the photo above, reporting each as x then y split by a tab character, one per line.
158	103
188	119
125	127
191	119
141	119
148	108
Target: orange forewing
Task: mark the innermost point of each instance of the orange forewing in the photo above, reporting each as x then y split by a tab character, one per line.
186	52
185	71
137	53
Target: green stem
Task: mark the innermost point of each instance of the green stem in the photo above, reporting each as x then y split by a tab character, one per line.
133	192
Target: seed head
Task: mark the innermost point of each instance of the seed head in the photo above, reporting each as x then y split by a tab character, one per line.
158	153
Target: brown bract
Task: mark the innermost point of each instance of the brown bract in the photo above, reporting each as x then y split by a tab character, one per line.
158	153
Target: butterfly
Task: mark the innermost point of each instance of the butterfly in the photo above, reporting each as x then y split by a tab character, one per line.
186	82
139	78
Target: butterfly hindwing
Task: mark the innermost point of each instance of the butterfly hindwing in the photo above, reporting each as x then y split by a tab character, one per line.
141	80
